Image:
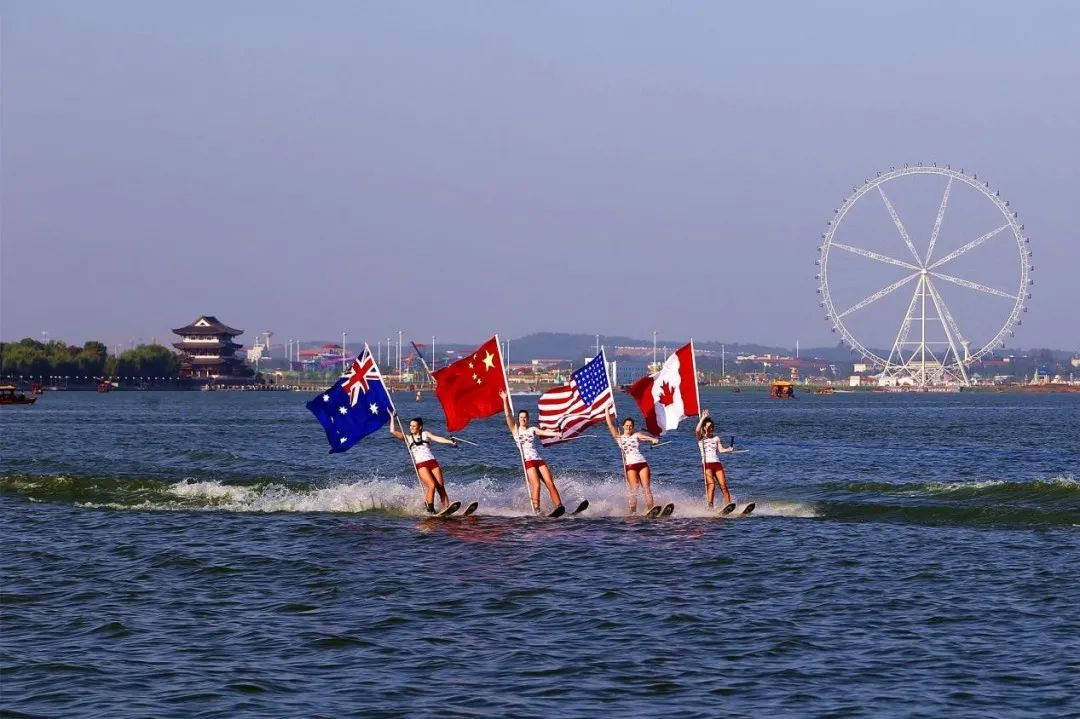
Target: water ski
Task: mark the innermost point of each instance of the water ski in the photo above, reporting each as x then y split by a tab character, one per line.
558	511
471	508
654	512
581	507
449	510
748	509
727	509
667	510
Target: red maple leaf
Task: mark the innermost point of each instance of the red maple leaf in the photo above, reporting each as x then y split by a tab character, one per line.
667	394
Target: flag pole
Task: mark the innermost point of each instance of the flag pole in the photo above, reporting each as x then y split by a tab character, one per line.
510	403
622	457
404	439
693	364
701	442
424	362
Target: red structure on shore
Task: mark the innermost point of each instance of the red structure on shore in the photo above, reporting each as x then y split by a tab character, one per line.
207	350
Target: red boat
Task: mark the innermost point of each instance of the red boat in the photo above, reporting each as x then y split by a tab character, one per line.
8	395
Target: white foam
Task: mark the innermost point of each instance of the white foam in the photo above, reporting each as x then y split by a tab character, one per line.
784	508
211	490
607	498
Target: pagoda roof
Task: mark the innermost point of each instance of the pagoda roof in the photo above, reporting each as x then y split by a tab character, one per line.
215	345
207	325
213	360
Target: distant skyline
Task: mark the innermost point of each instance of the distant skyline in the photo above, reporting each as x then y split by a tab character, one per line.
463	168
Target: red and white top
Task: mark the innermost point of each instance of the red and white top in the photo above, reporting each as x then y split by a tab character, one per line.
710	447
526	440
419	446
631	450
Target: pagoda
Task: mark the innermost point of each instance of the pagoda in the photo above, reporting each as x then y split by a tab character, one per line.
207	350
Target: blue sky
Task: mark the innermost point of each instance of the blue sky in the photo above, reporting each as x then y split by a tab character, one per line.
460	168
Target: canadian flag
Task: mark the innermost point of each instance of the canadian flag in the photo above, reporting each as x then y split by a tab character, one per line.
670	394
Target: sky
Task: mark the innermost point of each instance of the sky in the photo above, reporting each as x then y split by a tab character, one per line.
463	168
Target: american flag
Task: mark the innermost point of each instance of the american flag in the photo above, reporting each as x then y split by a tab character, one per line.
582	403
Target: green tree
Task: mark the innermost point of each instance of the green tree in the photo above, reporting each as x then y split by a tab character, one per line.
90	361
62	360
38	365
24	359
90	364
148	361
97	348
11	355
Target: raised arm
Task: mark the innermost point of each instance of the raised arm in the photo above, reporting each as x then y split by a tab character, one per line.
506	411
611	423
701	420
394	432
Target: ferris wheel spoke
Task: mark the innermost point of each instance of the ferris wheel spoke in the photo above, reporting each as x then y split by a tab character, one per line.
877	295
968	247
949	326
899	225
902	333
973	285
937	221
875	256
943	310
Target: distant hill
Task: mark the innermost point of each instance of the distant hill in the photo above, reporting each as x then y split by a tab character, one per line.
576	347
566	346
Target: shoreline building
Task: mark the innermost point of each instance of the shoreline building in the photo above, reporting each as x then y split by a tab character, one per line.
207	350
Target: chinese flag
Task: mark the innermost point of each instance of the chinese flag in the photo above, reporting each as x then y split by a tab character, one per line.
469	388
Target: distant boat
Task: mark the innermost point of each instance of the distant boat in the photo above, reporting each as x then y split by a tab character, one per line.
8	395
782	389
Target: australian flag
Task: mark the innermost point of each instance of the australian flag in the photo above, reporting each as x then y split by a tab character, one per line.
357	405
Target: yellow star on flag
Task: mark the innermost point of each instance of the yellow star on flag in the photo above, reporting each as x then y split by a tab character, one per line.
489	360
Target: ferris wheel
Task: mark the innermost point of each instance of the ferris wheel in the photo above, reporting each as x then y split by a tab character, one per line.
859	257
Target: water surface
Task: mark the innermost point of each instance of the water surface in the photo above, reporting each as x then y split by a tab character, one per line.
200	554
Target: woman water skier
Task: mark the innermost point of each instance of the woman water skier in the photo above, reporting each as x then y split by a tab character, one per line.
536	469
427	467
711	448
637	469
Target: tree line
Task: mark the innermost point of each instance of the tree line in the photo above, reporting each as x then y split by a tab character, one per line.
31	358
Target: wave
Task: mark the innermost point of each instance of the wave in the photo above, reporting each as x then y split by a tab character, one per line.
1053	501
390	495
986	516
1061	488
987	503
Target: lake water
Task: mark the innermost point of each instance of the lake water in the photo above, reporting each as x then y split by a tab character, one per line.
201	555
